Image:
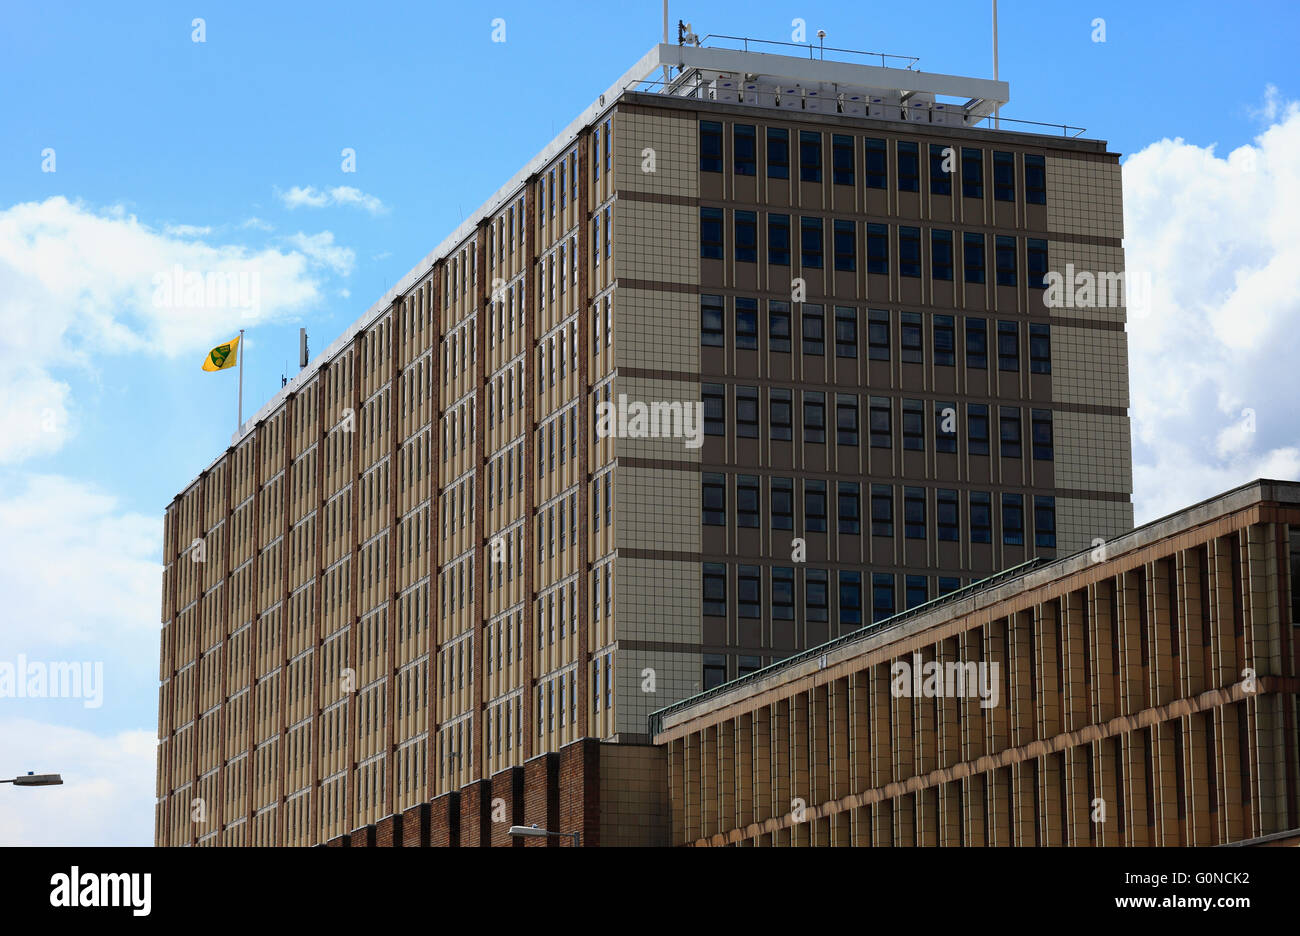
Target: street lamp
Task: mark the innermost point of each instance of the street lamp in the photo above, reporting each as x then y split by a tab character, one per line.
35	779
532	831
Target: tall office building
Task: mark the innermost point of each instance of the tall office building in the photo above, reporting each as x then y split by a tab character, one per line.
433	557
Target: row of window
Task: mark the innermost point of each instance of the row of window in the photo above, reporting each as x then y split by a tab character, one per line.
910	350
881	422
743	589
905	241
944	162
919	506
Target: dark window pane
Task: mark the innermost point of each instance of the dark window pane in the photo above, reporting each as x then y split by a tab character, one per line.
710	146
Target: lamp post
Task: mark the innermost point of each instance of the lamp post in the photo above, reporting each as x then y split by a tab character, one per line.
35	779
532	831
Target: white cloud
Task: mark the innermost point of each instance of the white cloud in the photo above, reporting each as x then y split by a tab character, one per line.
312	197
78	284
75	568
323	251
187	230
258	224
107	795
1220	238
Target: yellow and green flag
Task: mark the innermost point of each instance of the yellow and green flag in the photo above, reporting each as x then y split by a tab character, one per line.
222	356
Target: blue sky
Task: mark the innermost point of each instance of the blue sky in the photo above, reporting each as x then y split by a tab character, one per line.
229	151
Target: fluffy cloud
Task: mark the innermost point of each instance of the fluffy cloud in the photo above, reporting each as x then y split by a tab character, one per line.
1212	359
77	284
322	250
312	197
107	793
75	568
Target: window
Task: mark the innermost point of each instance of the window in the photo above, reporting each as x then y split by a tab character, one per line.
1045	522
1035	180
877	173
782	504
747	412
972	173
746	323
910	335
715	407
780	414
778	239
977	428
710	146
1040	349
711	330
878	335
1008	346
948	585
814	416
1013	520
814	506
715	589
846	246
749	664
918	590
714	498
981	517
913	425
909	251
940	178
879	420
846	332
715	670
882	510
778	325
946	515
882	596
914	512
711	233
814	330
815	595
842	159
1004	176
941	255
746	237
1036	251
782	594
1040	422
1009	431
747	501
810	242
1004	249
909	167
749	592
977	343
849	502
850	599
846	419
973	256
945	341
810	156
745	149
778	153
945	427
877	248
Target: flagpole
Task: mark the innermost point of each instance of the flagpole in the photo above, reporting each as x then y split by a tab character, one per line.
241	381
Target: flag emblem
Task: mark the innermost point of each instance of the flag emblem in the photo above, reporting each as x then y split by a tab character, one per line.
222	356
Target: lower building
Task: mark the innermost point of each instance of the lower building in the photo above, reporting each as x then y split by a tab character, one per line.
1143	692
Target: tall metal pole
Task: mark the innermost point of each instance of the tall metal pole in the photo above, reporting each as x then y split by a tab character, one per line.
241	382
997	123
665	42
